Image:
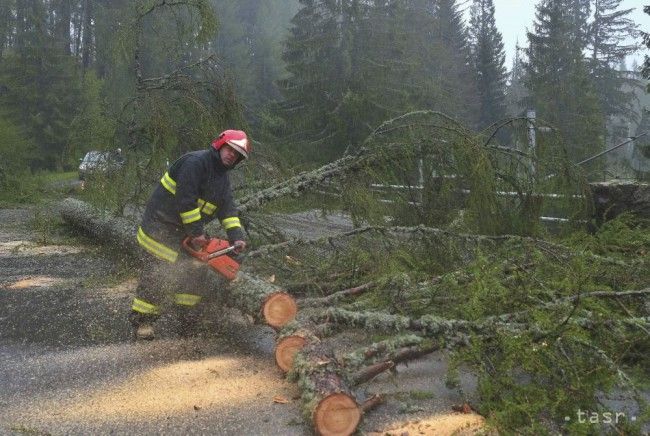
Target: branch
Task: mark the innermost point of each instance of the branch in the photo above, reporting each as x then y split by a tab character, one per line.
336	296
561	301
302	181
161	82
402	355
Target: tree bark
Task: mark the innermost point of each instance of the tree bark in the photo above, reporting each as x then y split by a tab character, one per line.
88	36
382	350
398	356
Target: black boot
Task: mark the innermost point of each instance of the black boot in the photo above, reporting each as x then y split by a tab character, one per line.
142	326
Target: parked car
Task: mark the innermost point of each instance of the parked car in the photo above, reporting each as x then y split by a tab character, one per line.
100	162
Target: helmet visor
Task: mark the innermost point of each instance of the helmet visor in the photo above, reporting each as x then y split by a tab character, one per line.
240	146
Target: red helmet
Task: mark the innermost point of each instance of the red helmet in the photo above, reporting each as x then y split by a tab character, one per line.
237	139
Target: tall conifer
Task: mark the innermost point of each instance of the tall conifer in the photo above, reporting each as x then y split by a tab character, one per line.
558	79
451	65
607	35
41	90
516	92
489	58
322	60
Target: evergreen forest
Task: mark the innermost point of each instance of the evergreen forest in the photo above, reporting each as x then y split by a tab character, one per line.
470	185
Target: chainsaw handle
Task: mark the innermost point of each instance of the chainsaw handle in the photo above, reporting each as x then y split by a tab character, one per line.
202	254
199	254
221	252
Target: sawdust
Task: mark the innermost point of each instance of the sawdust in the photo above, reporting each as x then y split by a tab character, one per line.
177	388
456	424
29	248
126	287
36	282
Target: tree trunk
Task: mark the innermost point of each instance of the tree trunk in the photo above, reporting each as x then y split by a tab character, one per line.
258	298
62	30
7	25
19	40
88	37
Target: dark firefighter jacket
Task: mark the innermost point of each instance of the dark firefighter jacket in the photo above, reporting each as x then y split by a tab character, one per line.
194	191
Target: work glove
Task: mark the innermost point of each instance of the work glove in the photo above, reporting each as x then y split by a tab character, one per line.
240	246
198	242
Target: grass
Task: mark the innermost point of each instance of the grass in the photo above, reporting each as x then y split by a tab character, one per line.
54	177
28	188
421	395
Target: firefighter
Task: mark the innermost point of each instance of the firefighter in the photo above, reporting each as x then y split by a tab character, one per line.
194	191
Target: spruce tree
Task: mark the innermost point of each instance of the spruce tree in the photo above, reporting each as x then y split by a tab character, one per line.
488	57
41	89
353	64
321	60
450	64
558	79
388	73
516	92
249	42
607	33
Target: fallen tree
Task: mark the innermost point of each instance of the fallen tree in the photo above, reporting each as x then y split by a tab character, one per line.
262	300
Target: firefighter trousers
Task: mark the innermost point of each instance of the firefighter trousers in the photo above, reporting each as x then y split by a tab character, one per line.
164	284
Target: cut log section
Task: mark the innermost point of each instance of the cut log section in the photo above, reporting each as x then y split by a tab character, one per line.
278	309
291	340
286	349
265	301
337	414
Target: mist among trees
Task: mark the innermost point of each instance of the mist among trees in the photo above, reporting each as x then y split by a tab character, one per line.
309	79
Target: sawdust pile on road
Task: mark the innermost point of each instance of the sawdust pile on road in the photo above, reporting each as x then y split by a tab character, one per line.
36	282
456	424
28	248
178	388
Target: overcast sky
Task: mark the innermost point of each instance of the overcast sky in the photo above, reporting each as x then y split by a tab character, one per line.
513	17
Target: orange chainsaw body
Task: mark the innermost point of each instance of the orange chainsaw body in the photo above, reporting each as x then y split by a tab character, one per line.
224	265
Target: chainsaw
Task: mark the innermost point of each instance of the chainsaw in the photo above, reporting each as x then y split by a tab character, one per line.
215	254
